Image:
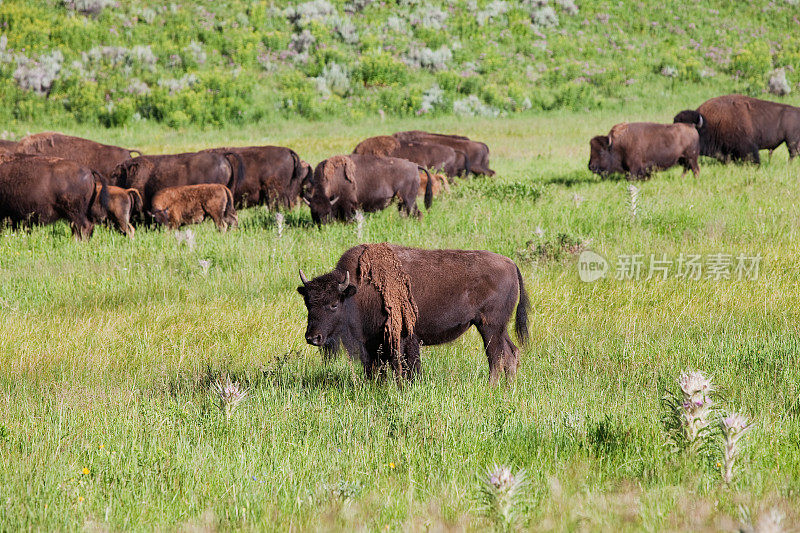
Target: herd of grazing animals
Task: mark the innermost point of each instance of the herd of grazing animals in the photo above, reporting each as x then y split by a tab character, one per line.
381	301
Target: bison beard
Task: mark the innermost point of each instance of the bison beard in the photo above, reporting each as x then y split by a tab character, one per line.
379	266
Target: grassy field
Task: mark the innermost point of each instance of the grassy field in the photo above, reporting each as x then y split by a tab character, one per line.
108	347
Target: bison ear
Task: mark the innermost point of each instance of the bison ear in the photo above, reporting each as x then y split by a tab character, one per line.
302	290
349	291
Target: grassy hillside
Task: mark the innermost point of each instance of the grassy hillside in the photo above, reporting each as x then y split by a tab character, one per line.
107	422
210	63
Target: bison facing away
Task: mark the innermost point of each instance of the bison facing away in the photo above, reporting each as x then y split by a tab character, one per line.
736	127
117	206
342	184
273	176
100	157
149	174
191	204
441	294
639	148
35	189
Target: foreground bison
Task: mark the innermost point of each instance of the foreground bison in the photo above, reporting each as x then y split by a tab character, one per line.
117	206
639	148
273	176
7	147
736	127
149	174
477	152
429	155
100	157
191	204
382	300
42	190
342	184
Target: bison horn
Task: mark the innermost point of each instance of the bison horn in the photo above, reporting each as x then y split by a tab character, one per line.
334	200
700	122
609	141
303	277
343	285
306	201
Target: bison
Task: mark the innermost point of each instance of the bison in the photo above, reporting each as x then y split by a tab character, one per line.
379	294
7	147
100	157
342	184
149	174
273	176
476	152
191	204
736	127
638	148
37	189
429	155
117	206
440	183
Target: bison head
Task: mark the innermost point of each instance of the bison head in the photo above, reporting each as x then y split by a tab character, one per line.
322	206
602	159
326	299
160	216
690	116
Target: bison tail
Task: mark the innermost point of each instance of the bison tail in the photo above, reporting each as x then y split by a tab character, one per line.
137	204
428	188
467	168
298	167
229	207
99	178
523	307
237	169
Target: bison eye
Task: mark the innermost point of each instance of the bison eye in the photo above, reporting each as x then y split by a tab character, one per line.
334	306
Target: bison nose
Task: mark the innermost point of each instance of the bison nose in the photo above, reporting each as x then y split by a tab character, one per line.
314	340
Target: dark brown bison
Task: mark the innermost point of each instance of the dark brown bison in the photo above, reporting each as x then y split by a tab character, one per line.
117	206
42	190
191	204
342	184
151	173
8	147
736	127
379	294
100	157
429	155
476	152
273	176
639	148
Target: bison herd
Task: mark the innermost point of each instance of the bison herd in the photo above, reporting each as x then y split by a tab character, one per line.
382	301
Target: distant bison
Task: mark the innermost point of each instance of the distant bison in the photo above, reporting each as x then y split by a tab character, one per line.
149	174
736	127
382	300
638	148
342	184
100	157
118	206
36	189
476	152
191	204
273	176
429	155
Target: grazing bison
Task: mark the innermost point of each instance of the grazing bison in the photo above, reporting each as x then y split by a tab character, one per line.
149	174
117	206
273	176
191	204
100	157
476	152
736	127
382	300
429	155
638	148
42	190
342	184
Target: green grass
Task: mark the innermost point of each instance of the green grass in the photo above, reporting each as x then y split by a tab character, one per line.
108	347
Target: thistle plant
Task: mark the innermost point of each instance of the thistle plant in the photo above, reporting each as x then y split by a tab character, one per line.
279	220
205	264
185	237
733	427
359	223
633	200
229	394
501	495
690	413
